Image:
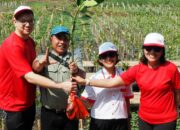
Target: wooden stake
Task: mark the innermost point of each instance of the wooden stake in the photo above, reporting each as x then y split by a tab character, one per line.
2	124
38	124
81	124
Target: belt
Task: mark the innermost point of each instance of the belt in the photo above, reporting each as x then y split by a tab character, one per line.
57	111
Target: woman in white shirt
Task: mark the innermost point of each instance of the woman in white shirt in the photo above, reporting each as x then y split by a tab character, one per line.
110	106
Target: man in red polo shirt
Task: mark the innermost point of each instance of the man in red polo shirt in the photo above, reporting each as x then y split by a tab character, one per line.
17	79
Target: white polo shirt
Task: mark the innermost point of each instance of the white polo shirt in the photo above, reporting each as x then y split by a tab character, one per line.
109	103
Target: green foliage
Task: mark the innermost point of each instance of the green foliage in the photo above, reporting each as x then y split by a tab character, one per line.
84	4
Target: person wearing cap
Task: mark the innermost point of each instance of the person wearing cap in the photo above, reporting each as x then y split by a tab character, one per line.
54	101
109	107
159	82
17	79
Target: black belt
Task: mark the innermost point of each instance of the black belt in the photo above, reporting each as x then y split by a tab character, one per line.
59	111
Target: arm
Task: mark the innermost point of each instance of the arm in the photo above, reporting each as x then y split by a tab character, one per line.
38	65
42	81
177	97
76	70
102	83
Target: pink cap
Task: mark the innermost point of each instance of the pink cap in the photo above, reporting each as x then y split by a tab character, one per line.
21	9
154	39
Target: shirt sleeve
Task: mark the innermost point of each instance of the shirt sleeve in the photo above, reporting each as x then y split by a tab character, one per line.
129	76
176	79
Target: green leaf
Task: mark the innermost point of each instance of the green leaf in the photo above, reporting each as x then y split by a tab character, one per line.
90	3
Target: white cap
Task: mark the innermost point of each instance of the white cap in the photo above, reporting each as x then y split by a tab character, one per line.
154	39
107	46
21	9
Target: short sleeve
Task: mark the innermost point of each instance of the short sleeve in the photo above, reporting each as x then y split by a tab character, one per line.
176	79
129	76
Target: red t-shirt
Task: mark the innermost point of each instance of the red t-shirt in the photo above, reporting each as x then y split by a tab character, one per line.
157	104
16	55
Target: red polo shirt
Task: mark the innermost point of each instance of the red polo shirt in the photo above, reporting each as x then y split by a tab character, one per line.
16	56
157	87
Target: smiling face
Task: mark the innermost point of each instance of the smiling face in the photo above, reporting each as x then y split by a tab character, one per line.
60	43
153	54
108	59
24	25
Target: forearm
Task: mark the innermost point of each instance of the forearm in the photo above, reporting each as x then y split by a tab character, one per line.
107	83
39	80
37	66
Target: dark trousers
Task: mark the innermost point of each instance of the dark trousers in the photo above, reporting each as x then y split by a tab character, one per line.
51	120
166	126
112	124
20	120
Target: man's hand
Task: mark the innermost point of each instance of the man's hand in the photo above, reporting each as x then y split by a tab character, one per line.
38	65
45	60
69	86
73	68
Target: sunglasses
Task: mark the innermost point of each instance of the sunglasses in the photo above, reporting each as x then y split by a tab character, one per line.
63	36
25	21
154	48
108	54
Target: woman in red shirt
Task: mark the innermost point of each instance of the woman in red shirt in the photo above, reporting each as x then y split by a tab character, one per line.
158	81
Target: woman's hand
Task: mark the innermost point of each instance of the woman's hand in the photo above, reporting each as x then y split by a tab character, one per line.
79	80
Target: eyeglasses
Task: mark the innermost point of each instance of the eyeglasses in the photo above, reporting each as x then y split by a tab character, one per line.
154	48
107	54
63	36
25	21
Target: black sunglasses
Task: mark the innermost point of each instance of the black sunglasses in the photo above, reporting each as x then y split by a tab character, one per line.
63	36
107	54
154	48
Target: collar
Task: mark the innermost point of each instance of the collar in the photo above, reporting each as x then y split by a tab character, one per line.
106	75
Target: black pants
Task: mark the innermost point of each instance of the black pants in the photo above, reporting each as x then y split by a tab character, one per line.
50	120
166	126
112	124
20	120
